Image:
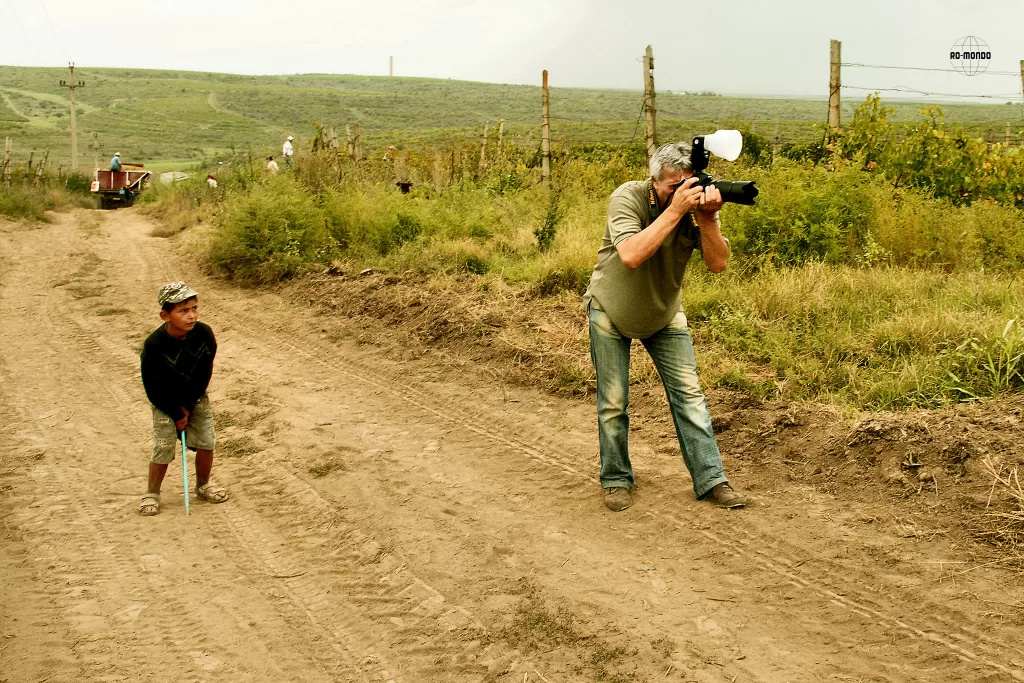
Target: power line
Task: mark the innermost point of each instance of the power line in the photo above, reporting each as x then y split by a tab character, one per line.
922	68
56	39
901	88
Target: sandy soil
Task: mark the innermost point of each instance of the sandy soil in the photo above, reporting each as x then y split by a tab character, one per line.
390	521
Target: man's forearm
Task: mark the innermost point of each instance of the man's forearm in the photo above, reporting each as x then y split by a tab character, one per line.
713	245
641	246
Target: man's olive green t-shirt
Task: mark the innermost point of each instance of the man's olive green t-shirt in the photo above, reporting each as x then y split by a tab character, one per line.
642	300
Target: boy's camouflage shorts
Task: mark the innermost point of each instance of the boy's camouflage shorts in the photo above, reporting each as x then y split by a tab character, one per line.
198	434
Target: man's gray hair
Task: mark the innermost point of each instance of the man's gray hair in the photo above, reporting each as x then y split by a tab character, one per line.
673	157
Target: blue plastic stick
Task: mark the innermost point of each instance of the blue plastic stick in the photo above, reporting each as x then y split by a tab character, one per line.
184	469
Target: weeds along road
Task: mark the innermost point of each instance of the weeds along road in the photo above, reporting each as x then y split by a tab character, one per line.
387	523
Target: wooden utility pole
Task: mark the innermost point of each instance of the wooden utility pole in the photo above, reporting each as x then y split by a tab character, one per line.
71	84
545	133
775	144
833	88
501	130
652	140
391	66
358	153
95	150
5	172
349	147
483	151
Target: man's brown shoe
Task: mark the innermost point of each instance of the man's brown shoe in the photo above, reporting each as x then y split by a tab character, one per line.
724	496
617	498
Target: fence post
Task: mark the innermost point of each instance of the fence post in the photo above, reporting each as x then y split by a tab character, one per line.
6	174
545	133
349	147
501	130
652	141
483	152
358	153
40	167
775	143
451	182
833	88
1022	76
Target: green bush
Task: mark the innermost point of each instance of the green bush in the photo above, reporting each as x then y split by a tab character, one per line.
271	232
29	202
26	202
807	214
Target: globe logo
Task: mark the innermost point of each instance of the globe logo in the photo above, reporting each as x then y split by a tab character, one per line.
970	55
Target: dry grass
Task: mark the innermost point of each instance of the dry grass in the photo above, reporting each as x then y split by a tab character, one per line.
1006	508
239	447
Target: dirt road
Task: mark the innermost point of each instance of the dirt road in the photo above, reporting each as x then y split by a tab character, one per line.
389	523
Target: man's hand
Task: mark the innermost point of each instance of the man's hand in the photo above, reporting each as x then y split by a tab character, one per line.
183	422
687	196
711	201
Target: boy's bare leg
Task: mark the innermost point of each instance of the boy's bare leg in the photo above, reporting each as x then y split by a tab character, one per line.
156	476
204	463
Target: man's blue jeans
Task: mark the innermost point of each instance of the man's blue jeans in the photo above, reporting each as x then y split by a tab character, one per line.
672	352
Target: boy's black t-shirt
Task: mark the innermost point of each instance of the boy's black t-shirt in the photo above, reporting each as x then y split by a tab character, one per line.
176	372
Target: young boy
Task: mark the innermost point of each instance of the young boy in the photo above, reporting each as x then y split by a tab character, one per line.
177	362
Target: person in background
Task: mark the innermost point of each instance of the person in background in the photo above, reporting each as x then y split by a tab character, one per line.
287	151
126	194
210	180
272	166
115	163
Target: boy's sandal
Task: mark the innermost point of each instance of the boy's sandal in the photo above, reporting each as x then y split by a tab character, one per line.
212	492
150	504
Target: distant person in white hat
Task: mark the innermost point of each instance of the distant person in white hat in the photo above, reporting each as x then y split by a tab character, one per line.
115	163
287	151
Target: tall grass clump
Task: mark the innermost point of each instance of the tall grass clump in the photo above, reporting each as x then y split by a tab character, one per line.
26	201
873	337
271	232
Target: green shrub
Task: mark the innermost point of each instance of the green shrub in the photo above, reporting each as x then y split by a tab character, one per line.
271	233
808	214
26	202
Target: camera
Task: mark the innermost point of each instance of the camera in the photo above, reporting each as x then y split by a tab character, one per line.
726	144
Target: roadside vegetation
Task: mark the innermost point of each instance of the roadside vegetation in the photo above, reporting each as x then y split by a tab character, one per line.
27	199
858	278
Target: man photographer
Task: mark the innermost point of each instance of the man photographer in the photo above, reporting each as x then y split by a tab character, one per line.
635	292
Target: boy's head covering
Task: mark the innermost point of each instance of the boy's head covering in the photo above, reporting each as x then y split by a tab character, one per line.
175	293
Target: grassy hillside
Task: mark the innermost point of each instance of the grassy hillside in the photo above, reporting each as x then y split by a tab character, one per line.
173	118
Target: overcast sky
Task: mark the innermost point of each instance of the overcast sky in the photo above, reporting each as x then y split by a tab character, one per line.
734	47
